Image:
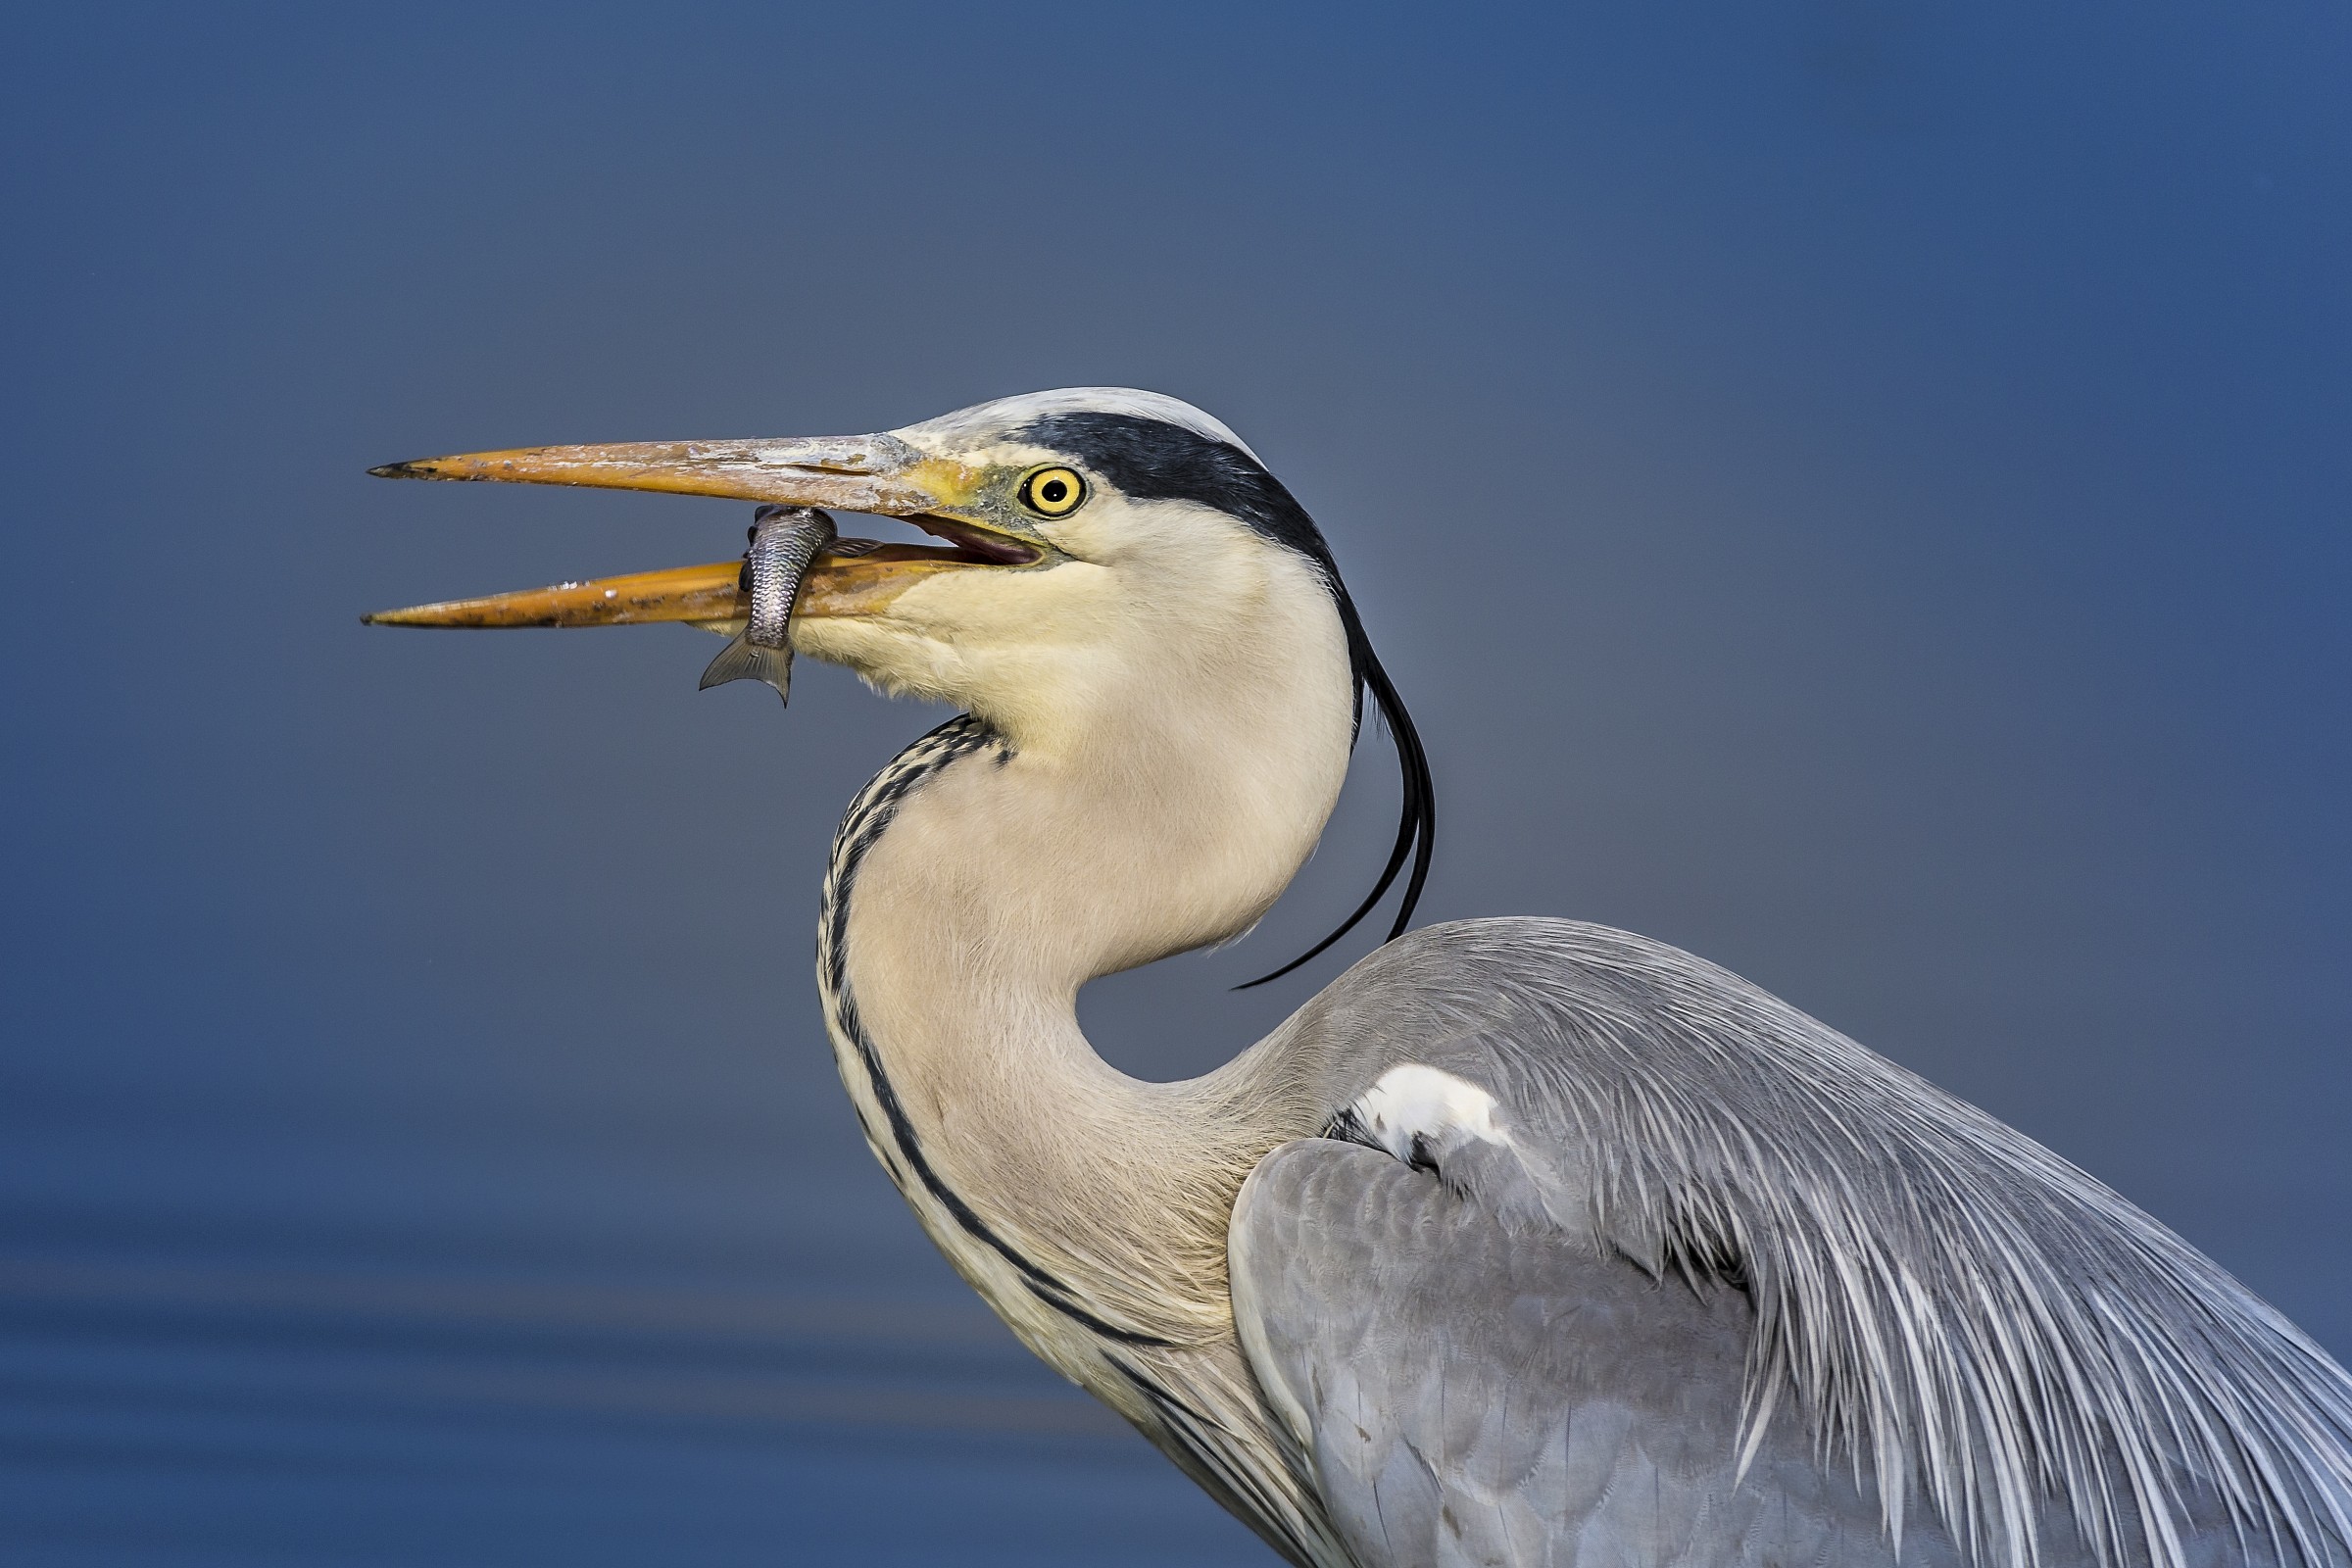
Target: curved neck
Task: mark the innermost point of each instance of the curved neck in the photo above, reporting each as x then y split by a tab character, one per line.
983	879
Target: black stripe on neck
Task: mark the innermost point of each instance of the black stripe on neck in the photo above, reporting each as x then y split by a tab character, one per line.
869	819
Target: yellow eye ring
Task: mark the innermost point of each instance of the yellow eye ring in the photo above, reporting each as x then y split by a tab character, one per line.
1053	492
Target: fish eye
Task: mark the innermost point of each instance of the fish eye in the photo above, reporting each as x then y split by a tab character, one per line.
1053	492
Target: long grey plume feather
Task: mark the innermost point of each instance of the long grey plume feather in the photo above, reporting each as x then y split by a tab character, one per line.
1961	1316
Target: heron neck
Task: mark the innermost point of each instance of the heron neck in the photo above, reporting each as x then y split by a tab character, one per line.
978	885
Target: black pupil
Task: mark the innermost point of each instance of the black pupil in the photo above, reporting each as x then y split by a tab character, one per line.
1054	491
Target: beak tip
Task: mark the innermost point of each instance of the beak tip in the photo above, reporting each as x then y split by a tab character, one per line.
398	470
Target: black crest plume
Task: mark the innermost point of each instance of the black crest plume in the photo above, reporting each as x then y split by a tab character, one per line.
1153	460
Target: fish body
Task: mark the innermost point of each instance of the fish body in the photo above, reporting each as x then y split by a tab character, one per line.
784	541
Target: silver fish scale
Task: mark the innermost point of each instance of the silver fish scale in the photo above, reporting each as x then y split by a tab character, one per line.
784	541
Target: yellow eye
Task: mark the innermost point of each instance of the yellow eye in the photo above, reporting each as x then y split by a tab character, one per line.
1053	492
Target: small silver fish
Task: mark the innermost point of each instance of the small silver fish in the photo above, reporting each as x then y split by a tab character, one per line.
784	541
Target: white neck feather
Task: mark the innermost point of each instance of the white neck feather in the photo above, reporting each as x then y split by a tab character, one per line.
1158	805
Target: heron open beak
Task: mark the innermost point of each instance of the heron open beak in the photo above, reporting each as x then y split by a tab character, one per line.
871	473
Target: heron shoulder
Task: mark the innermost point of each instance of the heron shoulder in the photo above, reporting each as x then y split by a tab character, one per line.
1954	1309
1467	1390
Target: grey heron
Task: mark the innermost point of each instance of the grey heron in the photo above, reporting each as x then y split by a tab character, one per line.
1524	1242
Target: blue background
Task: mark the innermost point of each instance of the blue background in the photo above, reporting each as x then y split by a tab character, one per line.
1858	491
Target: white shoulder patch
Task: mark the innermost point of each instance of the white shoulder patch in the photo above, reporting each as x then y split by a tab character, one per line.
1413	1110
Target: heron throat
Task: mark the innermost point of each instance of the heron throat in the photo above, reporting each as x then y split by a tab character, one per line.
978	883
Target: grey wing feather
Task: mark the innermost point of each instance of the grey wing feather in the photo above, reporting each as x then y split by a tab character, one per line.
1995	1350
1470	1392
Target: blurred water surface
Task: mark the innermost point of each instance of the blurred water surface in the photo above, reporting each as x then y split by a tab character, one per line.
1857	491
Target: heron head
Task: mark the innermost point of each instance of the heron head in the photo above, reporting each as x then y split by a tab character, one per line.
1093	541
1107	558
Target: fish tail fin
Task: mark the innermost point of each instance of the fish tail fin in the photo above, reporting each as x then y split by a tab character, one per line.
743	660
